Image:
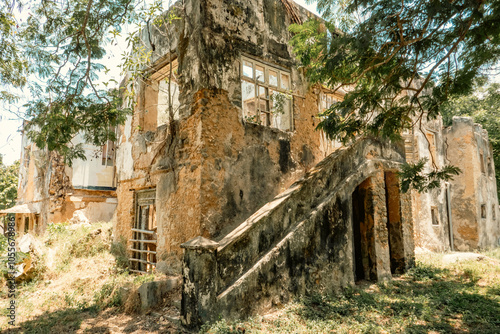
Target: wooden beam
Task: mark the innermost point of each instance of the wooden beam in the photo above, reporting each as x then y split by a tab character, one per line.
143	231
145	241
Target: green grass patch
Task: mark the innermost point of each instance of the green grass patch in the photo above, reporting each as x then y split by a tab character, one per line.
429	298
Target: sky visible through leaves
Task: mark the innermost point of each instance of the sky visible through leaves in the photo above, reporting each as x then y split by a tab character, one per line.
10	125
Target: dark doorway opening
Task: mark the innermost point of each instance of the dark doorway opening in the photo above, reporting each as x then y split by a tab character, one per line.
365	267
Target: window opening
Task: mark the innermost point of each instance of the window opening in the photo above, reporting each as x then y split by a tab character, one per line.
108	152
326	100
165	77
26	224
26	158
434	216
265	95
481	158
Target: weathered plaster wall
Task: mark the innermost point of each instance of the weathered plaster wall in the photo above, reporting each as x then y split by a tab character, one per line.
429	142
301	241
91	173
215	170
467	145
46	182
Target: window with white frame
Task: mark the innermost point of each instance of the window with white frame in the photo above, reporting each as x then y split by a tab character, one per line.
326	100
165	77
265	91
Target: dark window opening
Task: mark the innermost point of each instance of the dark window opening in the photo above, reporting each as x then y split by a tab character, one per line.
434	216
483	210
481	158
108	152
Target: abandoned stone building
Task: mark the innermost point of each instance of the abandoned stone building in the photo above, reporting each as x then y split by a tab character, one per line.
462	214
49	191
238	178
220	164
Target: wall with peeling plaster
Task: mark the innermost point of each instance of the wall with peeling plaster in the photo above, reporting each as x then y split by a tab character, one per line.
212	170
429	142
462	145
60	193
302	241
472	229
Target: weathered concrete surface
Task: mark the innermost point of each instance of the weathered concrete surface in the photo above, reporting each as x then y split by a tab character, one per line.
153	293
299	242
429	142
212	170
474	193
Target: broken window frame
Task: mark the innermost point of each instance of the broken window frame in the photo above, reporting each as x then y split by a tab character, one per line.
144	237
325	100
264	112
163	75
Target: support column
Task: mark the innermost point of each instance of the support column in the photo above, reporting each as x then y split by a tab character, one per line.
380	226
199	276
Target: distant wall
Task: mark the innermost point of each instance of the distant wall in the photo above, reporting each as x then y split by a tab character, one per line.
476	223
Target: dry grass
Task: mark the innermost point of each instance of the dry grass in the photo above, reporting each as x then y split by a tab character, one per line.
76	289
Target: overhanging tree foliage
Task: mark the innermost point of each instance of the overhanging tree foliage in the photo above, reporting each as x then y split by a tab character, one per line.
399	61
51	49
8	184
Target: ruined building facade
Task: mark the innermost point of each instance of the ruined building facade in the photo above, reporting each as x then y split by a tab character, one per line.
50	191
460	215
243	130
220	165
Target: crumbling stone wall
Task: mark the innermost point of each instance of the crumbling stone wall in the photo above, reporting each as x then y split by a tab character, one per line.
474	194
300	242
428	141
212	170
59	186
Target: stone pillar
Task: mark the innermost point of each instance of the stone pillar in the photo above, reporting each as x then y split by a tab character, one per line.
408	230
380	226
199	275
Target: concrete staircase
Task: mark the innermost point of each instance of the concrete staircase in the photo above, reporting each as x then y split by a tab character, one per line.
300	242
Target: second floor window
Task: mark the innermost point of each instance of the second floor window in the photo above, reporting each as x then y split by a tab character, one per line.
166	78
266	95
